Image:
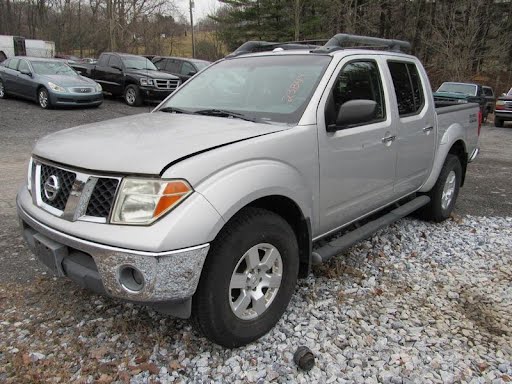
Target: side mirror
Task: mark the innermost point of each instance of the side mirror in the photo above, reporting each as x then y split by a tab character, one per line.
191	73
115	67
28	73
354	112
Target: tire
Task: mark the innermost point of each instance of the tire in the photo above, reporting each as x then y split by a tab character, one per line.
132	96
3	92
43	98
439	208
252	232
498	122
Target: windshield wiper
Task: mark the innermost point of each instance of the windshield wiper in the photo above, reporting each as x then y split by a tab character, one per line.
175	110
224	113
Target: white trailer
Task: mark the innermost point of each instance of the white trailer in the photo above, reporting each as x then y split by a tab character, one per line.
19	46
40	48
11	46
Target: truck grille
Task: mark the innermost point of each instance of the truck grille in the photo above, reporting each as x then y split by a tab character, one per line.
65	180
102	198
167	84
74	195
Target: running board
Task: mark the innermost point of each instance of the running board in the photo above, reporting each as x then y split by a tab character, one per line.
344	242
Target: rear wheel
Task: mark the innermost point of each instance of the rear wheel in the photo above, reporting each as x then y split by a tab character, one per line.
43	98
248	278
498	122
132	95
3	93
444	193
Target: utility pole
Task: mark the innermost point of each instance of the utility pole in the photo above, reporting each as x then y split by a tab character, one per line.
191	5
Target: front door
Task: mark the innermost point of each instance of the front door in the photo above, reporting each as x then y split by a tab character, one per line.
357	163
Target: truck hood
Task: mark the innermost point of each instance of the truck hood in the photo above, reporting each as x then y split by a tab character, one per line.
152	74
144	143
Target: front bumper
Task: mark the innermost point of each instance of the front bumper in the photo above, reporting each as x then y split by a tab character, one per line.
75	99
503	115
169	278
154	94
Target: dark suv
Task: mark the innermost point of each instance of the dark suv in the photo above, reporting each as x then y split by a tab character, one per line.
179	66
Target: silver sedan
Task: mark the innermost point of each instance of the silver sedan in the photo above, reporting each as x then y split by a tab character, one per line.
49	82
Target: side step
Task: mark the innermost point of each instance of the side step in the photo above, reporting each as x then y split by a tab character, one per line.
344	242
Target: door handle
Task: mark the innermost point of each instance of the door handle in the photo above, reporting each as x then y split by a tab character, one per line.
428	129
388	139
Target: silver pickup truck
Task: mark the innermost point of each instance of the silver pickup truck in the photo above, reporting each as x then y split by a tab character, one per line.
212	205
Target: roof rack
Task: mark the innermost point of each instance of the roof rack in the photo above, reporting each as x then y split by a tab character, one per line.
337	42
343	40
262	46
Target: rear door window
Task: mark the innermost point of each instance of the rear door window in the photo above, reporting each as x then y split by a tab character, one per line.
408	89
13	64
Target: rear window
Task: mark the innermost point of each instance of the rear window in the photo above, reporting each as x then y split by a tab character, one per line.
488	91
408	88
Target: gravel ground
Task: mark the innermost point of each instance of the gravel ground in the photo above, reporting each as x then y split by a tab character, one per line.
418	302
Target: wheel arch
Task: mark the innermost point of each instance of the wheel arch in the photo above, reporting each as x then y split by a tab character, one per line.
290	211
459	149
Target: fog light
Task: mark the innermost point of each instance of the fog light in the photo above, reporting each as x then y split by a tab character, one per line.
131	279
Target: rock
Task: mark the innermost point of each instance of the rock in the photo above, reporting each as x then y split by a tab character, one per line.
36	356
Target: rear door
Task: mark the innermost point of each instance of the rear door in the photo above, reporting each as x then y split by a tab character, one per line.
357	163
11	76
415	122
26	85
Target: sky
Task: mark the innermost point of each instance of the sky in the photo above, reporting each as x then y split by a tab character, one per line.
201	7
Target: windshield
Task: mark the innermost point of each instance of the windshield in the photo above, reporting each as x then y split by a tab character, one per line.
465	89
138	63
52	68
265	88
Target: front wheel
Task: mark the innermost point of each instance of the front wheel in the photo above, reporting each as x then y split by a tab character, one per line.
498	122
248	278
3	93
43	98
132	96
444	193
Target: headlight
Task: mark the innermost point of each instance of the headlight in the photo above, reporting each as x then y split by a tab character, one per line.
462	101
29	175
500	102
55	87
145	81
98	87
142	201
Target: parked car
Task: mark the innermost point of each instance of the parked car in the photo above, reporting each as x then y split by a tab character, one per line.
69	59
216	202
135	78
49	82
450	93
179	66
503	109
88	60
